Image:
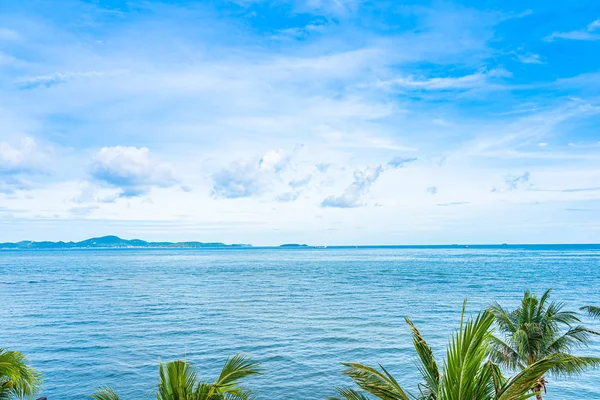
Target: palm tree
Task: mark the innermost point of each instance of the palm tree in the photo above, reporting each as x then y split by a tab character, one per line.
467	373
536	330
179	381
17	379
593	311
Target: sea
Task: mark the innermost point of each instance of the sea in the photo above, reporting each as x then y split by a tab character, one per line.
93	317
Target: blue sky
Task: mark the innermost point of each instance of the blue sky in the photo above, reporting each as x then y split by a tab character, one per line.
314	121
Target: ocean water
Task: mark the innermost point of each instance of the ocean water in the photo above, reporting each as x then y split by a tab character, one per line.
87	318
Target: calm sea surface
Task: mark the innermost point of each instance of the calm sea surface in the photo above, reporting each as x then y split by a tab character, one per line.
87	318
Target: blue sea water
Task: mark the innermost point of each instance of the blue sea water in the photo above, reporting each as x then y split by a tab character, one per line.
87	318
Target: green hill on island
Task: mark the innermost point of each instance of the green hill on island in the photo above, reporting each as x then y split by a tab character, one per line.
112	242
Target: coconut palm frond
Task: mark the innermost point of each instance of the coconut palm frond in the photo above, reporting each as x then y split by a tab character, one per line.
236	369
427	365
349	394
593	311
17	378
378	383
105	393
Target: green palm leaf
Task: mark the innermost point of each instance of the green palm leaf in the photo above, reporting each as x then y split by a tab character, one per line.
177	381
349	394
540	333
592	311
105	393
378	383
235	369
427	364
17	379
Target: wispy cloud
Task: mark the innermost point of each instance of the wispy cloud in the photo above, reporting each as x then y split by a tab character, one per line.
399	162
62	77
454	203
588	33
464	82
530	58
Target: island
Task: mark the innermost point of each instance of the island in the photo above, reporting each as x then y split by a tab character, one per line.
113	242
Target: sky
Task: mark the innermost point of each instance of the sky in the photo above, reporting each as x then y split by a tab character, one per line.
301	121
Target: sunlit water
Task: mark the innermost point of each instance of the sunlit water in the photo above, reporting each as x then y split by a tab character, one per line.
87	318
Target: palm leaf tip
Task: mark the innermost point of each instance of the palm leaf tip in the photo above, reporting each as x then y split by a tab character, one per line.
105	393
238	367
592	311
378	383
349	394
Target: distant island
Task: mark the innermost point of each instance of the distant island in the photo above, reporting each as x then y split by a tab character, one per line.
112	242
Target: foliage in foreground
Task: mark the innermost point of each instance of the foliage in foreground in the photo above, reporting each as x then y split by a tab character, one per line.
539	329
17	379
179	381
592	311
467	373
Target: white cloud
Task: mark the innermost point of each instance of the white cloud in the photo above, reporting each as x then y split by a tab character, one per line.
464	82
398	162
24	157
514	182
252	177
530	58
589	33
62	77
352	196
274	161
131	169
18	162
238	180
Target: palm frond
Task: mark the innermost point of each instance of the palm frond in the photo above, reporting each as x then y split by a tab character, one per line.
177	380
593	311
502	353
17	378
380	384
427	366
573	365
521	385
105	393
349	394
464	374
235	369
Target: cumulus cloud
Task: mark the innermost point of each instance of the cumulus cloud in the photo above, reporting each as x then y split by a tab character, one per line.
131	169
398	162
274	161
352	196
17	161
238	180
251	178
26	157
